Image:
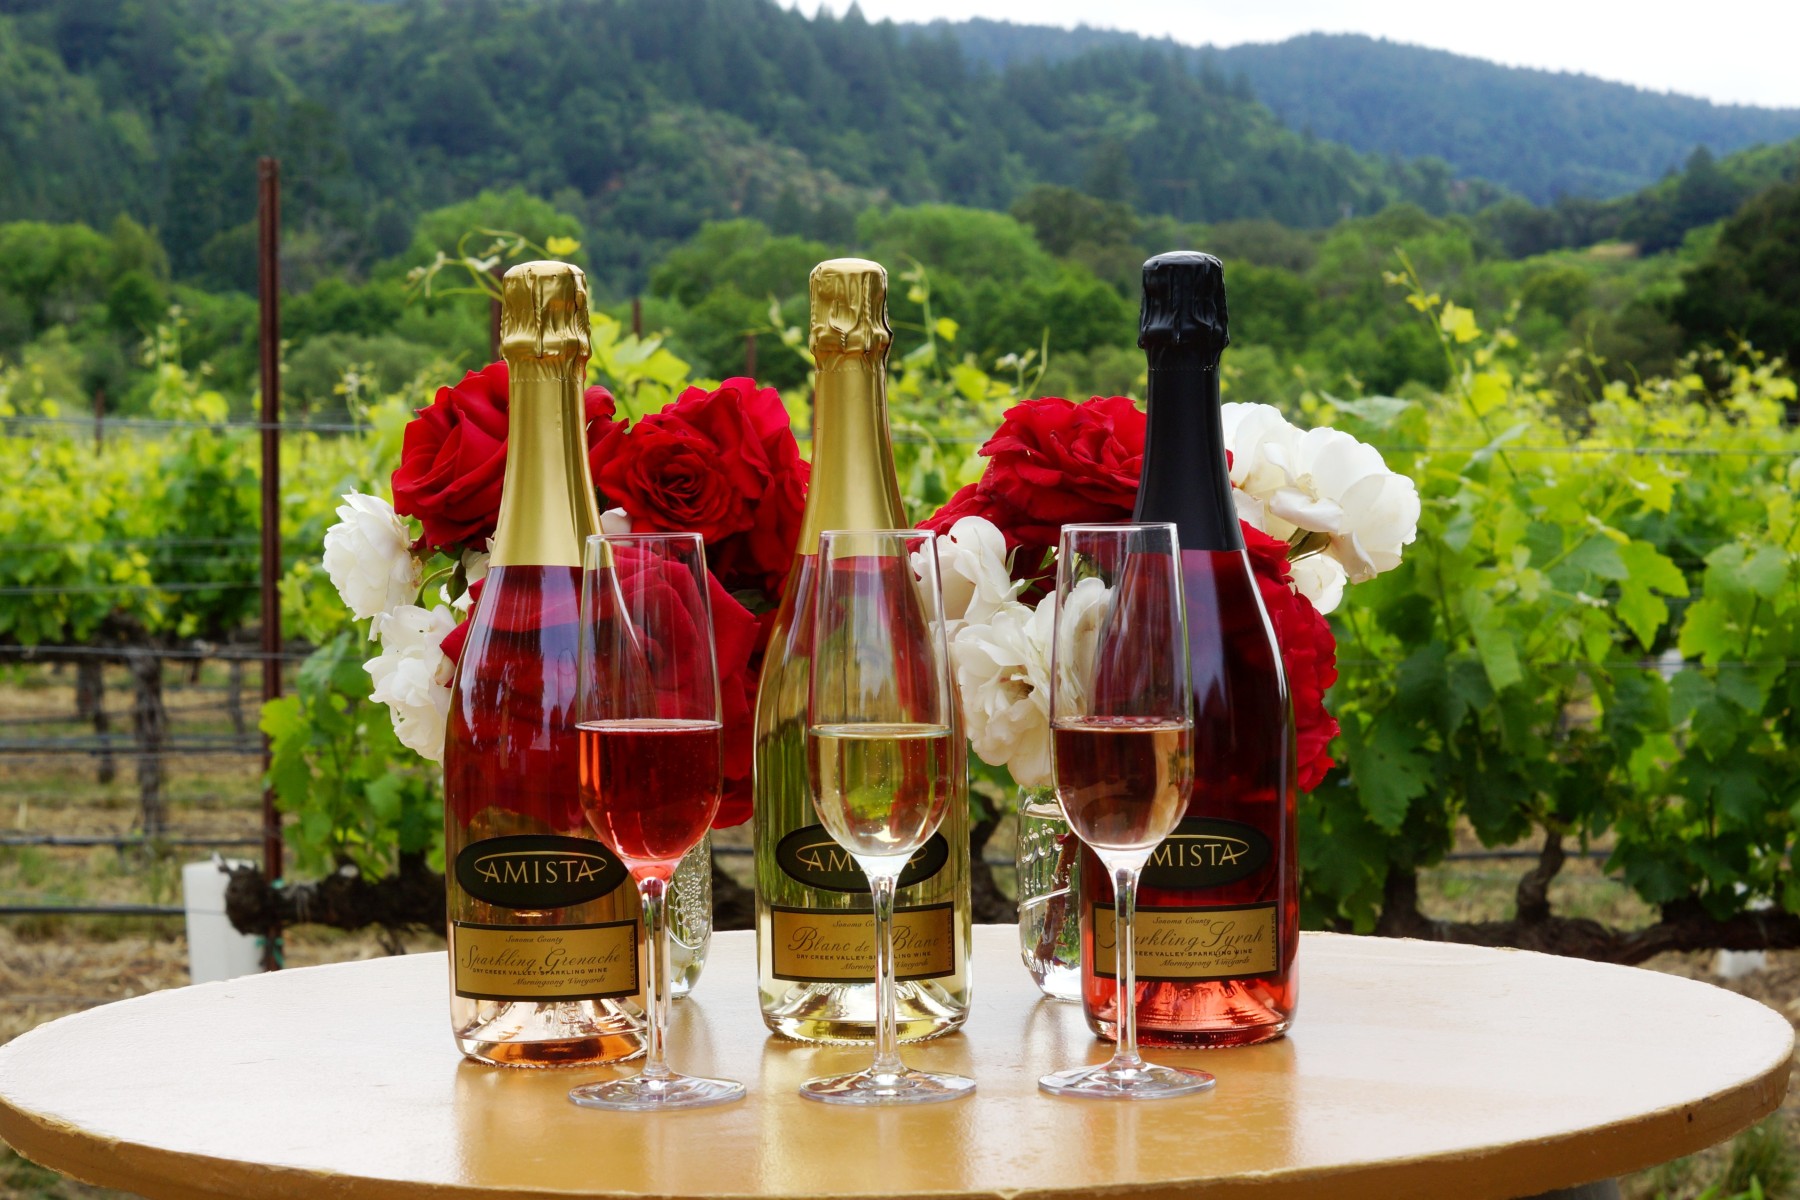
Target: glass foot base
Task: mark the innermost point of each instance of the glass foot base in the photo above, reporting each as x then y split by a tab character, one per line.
899	1087
641	1093
1146	1081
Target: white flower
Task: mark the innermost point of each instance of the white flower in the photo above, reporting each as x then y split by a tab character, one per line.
412	675
1321	480
475	569
1320	578
1084	609
1003	676
972	573
1003	669
368	555
615	521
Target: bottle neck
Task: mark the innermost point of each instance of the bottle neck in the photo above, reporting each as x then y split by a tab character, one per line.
853	483
547	507
1185	477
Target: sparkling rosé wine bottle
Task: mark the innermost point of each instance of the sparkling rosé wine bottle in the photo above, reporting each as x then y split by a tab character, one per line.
1218	906
814	922
543	921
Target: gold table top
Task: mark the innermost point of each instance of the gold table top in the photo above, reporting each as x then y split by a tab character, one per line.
1414	1070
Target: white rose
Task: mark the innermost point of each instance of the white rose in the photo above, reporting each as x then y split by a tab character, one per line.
615	521
1320	578
1003	676
1324	481
368	555
475	569
972	572
412	676
1084	609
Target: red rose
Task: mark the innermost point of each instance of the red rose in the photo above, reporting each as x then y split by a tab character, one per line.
1056	462
723	464
1308	653
453	457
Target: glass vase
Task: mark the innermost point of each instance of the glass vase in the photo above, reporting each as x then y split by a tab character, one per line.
690	918
1048	858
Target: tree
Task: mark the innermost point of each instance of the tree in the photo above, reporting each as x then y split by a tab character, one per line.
1748	285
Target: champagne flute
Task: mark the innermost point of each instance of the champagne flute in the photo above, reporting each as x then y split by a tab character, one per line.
1122	734
651	759
879	725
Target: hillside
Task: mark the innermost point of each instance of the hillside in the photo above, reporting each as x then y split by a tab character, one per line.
644	118
1542	134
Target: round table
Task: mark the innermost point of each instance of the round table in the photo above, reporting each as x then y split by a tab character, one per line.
1415	1070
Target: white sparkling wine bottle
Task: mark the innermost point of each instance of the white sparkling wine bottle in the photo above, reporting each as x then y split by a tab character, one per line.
815	936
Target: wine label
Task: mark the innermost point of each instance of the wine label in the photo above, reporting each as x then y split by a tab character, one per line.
810	856
1205	852
825	946
538	870
1186	945
545	962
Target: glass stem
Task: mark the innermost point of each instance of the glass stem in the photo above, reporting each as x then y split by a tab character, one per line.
1125	1052
653	894
887	1033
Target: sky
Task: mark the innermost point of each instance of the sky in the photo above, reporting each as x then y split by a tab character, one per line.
1729	51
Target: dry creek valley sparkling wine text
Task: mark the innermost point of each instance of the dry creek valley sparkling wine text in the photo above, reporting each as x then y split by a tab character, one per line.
814	923
1217	923
543	924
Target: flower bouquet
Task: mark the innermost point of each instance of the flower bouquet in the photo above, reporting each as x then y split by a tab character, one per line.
1319	510
722	463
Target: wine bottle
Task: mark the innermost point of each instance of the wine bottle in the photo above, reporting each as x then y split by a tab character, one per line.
814	924
543	921
1218	906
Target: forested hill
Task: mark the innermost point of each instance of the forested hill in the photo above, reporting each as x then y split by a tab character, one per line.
1542	134
643	117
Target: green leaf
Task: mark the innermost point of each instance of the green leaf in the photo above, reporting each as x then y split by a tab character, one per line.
1488	392
1759	571
1390	771
1495	644
1459	323
1598	556
1708	631
1378	412
1643	613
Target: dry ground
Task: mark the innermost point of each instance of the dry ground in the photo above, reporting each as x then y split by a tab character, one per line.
50	966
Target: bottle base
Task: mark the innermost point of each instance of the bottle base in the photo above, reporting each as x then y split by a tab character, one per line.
1196	1039
580	1033
573	1052
832	1032
844	1015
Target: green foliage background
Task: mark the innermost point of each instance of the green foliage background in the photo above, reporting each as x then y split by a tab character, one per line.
1593	637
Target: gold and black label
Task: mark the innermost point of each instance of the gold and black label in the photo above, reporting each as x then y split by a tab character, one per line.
811	945
538	870
1205	852
1188	945
541	963
810	856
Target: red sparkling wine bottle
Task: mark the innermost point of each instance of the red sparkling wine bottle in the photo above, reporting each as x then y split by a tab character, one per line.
1218	907
543	920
